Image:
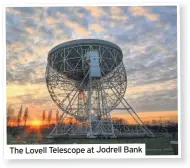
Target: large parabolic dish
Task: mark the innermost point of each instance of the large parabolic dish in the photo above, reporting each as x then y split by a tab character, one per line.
79	67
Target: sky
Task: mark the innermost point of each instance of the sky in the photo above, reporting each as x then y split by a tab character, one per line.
146	35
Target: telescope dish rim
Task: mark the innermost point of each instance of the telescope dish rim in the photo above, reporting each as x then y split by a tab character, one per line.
82	42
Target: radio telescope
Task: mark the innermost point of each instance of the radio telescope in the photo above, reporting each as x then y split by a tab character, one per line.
86	79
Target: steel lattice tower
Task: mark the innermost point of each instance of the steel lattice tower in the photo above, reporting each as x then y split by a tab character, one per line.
87	80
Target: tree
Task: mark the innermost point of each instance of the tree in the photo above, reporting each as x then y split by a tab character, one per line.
10	113
19	116
43	117
25	117
57	116
49	117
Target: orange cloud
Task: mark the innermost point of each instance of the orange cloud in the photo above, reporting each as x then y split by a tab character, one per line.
50	20
139	49
77	28
97	27
142	11
95	11
11	10
118	14
36	90
59	19
116	10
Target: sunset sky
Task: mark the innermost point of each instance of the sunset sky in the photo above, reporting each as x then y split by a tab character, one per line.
146	35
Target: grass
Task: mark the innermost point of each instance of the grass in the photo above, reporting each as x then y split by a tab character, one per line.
154	146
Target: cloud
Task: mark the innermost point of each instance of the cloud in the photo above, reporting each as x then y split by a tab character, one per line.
95	11
96	27
75	22
167	14
14	31
142	11
118	14
109	37
81	31
146	35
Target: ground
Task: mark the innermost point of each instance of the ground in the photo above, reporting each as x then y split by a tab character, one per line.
160	145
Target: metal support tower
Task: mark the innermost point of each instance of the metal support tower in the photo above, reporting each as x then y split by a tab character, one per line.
87	80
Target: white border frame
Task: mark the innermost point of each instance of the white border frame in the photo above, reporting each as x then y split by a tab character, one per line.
104	4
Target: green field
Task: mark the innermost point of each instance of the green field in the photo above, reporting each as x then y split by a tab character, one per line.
154	146
159	145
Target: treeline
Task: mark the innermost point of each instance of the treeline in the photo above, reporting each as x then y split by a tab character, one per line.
22	116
